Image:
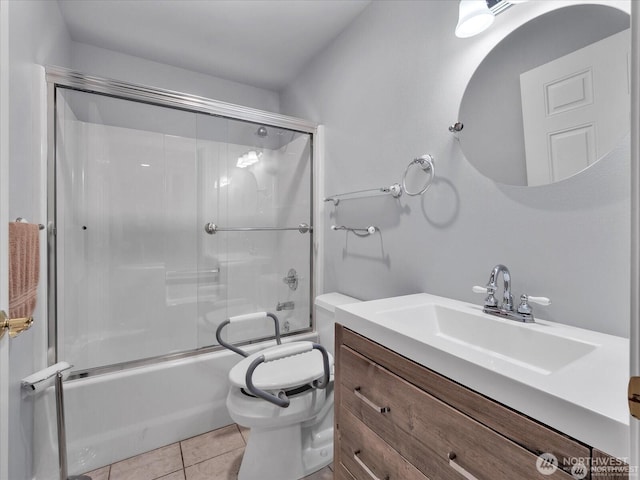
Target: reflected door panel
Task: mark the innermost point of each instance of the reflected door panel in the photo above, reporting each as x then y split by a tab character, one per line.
575	109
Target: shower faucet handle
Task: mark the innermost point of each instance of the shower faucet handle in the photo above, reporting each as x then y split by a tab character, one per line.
291	279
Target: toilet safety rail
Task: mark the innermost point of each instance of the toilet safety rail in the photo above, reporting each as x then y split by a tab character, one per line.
245	318
285	351
288	350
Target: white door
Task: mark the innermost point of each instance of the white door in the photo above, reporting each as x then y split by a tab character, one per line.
634	459
4	244
575	109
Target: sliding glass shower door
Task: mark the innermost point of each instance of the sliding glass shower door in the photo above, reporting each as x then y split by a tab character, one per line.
138	276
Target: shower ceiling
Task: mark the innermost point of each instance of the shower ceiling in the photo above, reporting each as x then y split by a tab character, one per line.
263	43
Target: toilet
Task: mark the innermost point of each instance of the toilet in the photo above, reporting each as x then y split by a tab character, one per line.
293	441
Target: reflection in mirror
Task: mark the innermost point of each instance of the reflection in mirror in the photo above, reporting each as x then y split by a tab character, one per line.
551	98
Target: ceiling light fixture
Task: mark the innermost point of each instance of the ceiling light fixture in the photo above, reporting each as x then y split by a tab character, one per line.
474	17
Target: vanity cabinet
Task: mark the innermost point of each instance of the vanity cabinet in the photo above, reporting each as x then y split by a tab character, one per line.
396	419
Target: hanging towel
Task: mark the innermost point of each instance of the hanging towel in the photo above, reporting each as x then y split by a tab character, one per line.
24	268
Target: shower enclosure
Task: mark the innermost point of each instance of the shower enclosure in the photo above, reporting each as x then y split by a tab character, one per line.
138	276
170	213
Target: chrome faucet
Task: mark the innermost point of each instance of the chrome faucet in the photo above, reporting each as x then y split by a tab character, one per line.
524	312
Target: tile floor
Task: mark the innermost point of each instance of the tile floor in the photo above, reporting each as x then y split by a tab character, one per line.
215	455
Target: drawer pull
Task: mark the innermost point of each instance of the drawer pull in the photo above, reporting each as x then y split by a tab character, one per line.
356	392
459	469
356	457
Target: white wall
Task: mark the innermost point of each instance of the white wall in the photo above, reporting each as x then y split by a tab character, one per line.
387	89
37	36
107	63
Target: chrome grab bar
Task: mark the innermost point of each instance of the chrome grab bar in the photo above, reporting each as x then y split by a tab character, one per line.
211	228
190	274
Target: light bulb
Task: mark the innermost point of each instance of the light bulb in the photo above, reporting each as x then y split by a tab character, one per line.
474	17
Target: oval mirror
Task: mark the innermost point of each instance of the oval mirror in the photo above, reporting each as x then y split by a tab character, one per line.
551	98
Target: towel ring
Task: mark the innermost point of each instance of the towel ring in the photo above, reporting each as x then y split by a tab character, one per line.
426	163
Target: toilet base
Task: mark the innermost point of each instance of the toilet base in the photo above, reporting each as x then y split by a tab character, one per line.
275	454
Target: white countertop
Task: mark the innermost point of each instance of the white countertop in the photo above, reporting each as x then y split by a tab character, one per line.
586	398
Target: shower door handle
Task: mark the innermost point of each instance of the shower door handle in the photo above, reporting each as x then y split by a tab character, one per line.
211	228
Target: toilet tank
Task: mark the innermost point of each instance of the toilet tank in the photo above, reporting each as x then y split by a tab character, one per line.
325	307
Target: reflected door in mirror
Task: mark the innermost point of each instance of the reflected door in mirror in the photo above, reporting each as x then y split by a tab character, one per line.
575	109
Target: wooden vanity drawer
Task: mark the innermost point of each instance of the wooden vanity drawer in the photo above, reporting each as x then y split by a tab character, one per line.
340	472
520	429
367	457
425	430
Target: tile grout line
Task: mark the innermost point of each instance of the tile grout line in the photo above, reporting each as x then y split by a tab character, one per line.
181	454
241	436
184	469
216	456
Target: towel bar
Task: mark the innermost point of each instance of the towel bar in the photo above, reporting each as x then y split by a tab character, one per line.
24	220
15	326
361	232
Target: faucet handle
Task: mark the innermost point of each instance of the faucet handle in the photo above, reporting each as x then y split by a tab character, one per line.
490	301
539	300
524	306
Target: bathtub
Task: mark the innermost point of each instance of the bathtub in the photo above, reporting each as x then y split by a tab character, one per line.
117	415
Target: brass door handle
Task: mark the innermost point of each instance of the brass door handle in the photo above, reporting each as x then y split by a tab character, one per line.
634	397
15	326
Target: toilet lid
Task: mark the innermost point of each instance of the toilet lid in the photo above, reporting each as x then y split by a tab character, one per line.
283	374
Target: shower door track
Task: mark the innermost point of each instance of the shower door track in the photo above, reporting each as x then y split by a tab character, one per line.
59	77
64	77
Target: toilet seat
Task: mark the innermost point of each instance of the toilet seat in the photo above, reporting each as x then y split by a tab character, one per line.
283	374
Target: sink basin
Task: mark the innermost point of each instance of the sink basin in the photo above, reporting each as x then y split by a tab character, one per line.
532	346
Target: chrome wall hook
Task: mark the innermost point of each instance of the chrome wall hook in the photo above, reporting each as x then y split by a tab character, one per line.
456	127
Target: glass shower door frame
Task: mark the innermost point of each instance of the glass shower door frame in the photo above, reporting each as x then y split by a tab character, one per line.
61	78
